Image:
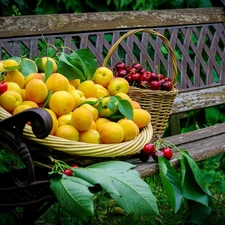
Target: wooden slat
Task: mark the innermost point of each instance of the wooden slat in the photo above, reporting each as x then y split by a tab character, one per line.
201	144
202	98
85	22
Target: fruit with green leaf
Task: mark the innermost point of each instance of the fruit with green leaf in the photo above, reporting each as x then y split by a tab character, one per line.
94	86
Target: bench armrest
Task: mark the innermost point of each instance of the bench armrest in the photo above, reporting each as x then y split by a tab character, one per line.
11	137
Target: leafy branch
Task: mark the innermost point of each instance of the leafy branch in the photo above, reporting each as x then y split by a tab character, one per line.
187	185
119	179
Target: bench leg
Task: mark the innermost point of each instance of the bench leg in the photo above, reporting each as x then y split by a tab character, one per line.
27	214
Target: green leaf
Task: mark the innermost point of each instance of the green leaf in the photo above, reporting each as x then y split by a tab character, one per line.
135	195
48	69
85	58
68	69
171	183
164	50
10	68
113	165
96	176
222	118
125	108
27	67
51	52
47	99
205	4
116	102
198	212
80	64
39	64
193	185
112	103
189	128
73	194
178	54
212	115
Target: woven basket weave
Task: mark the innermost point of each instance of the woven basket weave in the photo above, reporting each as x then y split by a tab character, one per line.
89	150
157	102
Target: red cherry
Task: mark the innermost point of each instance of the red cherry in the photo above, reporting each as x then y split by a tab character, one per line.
142	71
157	154
68	172
131	70
161	81
121	73
160	76
149	148
137	66
3	87
166	86
129	78
145	77
143	84
136	76
143	157
154	85
167	79
74	165
154	76
120	65
168	153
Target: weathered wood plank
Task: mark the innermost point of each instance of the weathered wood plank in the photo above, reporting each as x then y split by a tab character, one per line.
201	144
64	23
202	98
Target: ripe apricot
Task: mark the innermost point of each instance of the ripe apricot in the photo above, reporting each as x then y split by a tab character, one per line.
141	117
14	87
57	82
68	132
111	132
88	88
31	76
90	136
16	77
75	82
130	129
99	122
92	110
36	91
30	103
61	102
9	100
20	108
65	119
103	76
10	63
54	121
81	119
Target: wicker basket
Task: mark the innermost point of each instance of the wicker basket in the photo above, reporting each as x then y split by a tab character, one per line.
157	102
127	148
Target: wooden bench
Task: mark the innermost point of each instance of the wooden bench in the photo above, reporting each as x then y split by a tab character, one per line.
197	37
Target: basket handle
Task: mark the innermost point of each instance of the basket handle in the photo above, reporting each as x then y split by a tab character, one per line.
150	31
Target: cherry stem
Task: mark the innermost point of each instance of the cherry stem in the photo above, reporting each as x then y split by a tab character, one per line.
63	47
157	69
59	165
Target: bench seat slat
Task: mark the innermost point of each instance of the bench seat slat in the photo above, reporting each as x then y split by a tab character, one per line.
201	144
201	98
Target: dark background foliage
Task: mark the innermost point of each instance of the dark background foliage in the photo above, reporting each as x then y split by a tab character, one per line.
28	7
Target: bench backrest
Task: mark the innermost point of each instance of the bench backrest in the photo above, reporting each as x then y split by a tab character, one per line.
196	35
